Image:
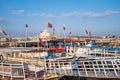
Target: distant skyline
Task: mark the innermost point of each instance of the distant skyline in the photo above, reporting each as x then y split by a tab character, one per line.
100	17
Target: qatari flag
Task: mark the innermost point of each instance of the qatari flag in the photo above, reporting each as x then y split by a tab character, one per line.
26	25
49	25
40	40
64	28
86	31
4	33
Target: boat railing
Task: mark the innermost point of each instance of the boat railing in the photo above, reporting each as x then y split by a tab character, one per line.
87	67
93	51
24	60
14	70
32	58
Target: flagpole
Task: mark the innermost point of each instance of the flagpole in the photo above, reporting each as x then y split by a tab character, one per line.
26	38
58	33
53	31
26	28
86	33
38	42
64	28
71	37
90	35
64	33
47	24
44	69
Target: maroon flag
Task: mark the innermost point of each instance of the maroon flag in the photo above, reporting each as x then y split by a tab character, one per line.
70	32
26	25
86	31
40	40
49	25
64	28
4	32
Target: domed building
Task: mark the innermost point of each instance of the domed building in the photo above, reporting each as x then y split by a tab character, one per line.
45	35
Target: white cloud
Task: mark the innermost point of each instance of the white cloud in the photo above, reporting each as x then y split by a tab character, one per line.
34	14
76	14
8	7
49	16
43	15
0	18
89	14
18	12
3	21
69	14
99	15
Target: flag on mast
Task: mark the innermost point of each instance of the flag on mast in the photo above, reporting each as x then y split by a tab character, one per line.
2	31
70	33
86	31
64	28
40	40
26	25
49	25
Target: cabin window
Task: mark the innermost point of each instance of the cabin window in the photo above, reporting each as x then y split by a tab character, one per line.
100	66
111	69
101	70
108	62
99	62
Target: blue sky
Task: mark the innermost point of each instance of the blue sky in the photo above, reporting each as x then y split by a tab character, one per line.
100	17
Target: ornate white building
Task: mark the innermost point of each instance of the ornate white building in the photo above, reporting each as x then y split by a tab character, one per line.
45	35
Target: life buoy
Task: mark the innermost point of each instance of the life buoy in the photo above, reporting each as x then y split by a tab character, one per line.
1	58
